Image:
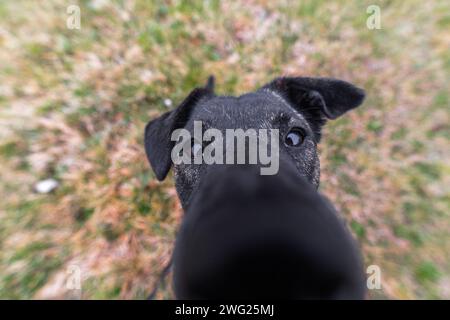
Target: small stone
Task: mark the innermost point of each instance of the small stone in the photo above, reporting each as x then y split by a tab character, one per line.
46	186
168	102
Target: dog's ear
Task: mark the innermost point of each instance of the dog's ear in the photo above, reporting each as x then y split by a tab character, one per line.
157	138
318	98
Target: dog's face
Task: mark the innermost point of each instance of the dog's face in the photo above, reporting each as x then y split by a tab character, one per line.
250	236
297	107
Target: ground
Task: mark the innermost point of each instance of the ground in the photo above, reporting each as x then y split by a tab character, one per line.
74	103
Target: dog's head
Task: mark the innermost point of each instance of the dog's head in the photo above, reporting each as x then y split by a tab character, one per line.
298	107
245	235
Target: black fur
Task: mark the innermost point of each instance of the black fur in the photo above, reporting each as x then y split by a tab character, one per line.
318	98
222	250
157	132
246	236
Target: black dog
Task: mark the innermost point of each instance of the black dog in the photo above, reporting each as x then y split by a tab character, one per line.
250	236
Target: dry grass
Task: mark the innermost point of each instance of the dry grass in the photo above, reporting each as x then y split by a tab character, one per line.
73	105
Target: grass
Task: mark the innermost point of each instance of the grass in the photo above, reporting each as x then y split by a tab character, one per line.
74	104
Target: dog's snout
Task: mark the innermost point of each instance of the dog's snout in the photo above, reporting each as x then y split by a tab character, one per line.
253	236
269	267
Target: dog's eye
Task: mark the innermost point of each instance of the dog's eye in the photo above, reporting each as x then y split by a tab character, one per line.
294	138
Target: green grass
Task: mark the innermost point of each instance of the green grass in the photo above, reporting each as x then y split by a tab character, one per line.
427	272
74	104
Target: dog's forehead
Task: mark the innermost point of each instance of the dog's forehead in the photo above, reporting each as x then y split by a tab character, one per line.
252	110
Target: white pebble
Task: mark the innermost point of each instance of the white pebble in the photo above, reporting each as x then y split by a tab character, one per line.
167	102
46	186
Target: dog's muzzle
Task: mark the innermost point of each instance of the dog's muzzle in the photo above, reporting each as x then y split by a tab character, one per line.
247	236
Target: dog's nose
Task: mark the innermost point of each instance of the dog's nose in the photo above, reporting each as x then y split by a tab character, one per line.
250	236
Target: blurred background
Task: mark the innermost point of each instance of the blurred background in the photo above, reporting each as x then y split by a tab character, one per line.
75	185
